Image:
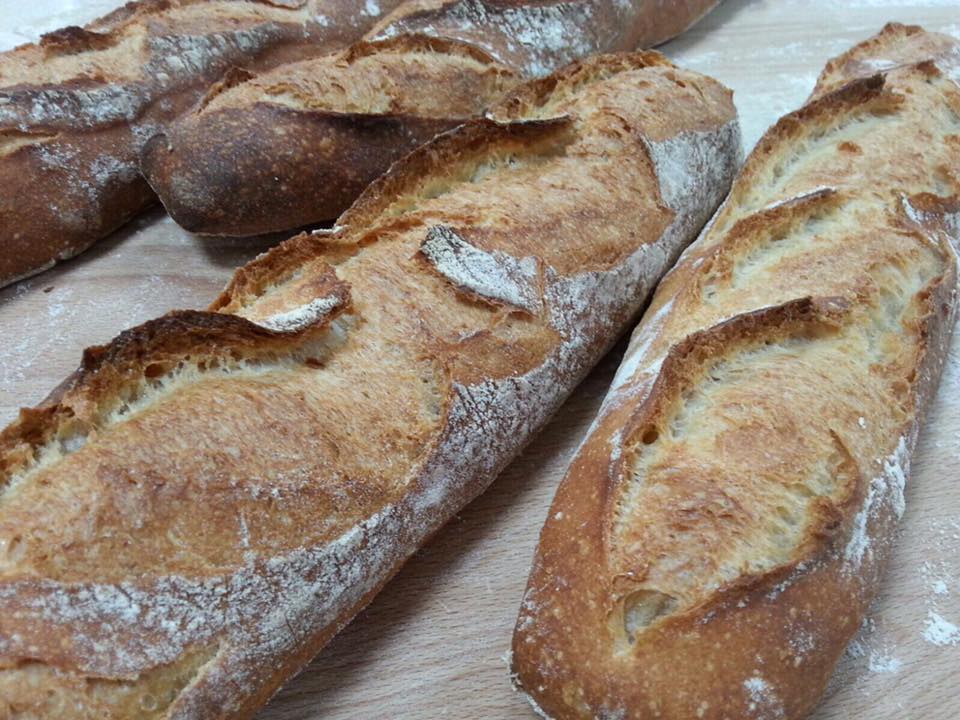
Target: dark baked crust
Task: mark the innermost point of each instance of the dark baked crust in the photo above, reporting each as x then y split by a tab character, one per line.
69	139
256	164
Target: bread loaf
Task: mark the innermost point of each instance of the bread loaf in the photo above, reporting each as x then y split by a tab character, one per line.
538	37
722	529
896	45
196	512
76	107
296	145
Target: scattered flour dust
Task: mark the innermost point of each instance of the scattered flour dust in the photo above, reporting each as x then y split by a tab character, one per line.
764	701
940	631
938	575
880	662
872	649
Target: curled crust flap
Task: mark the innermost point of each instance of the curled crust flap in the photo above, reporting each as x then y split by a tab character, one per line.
897	45
276	265
72	39
493	277
317	298
115	374
233	77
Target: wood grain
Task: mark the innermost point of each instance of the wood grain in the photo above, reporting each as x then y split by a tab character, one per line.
432	644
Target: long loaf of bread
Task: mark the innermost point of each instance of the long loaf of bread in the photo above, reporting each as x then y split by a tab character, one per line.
722	530
76	107
296	145
537	37
193	515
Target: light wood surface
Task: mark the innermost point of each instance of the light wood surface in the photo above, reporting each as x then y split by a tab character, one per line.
432	644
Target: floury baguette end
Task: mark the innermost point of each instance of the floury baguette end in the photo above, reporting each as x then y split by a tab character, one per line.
536	38
213	495
723	528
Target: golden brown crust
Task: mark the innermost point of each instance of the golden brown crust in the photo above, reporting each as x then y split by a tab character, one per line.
76	107
721	532
895	45
194	515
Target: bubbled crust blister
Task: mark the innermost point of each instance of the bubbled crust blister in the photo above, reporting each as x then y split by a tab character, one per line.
721	532
192	517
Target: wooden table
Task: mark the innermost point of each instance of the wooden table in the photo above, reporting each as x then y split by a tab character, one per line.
432	644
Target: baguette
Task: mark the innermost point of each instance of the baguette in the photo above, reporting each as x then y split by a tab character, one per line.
538	37
894	46
76	107
296	145
722	529
213	495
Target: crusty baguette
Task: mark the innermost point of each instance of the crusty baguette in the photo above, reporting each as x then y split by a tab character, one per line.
194	514
75	107
894	46
538	37
296	145
721	532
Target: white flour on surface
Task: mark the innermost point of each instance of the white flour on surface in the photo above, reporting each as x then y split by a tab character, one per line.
764	702
940	631
494	275
887	487
881	662
301	317
939	575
